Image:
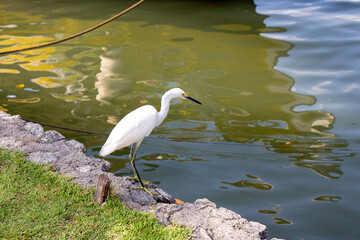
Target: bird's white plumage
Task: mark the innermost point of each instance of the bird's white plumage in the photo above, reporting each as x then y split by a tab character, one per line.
131	129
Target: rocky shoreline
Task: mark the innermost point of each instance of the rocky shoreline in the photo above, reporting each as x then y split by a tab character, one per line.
69	159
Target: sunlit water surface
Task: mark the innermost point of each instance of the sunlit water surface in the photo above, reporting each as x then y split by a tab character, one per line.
277	137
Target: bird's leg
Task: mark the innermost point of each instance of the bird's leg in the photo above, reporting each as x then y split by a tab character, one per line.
132	159
136	173
131	151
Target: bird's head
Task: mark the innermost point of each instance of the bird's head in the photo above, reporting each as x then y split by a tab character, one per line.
179	93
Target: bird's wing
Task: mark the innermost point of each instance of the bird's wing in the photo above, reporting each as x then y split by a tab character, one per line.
133	128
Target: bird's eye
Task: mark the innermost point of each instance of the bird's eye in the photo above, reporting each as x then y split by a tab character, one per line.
183	95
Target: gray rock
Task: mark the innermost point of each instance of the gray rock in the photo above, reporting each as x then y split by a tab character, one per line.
105	166
76	145
11	143
85	169
35	129
200	234
51	136
218	223
42	157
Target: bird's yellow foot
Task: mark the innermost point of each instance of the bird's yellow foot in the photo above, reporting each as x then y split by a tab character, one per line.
136	179
148	191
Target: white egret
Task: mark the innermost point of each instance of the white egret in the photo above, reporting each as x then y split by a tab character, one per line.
137	125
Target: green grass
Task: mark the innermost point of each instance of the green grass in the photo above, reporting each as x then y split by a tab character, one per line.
37	203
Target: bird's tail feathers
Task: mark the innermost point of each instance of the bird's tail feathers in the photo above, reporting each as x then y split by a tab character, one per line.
105	151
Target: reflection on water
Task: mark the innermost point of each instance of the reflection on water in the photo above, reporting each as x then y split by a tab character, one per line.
282	221
271	118
29	100
111	82
318	155
254	182
328	198
268	211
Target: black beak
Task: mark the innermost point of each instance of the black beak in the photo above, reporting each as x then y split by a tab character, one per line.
190	98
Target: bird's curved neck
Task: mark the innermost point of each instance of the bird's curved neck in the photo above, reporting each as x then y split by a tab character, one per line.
165	104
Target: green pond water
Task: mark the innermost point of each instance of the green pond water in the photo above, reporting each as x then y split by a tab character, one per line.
277	137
